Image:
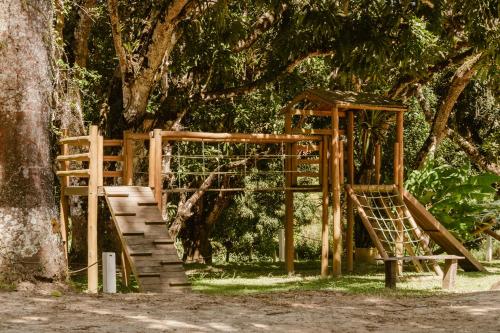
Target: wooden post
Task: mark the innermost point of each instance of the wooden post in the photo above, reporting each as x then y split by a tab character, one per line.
100	159
92	249
341	162
128	159
158	152
151	165
337	231
289	246
63	199
399	139
350	181
391	269
450	273
324	208
125	268
400	184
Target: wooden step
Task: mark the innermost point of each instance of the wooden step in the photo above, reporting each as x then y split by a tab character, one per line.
163	241
147	274
147	203
133	233
167	262
155	222
141	254
117	195
125	214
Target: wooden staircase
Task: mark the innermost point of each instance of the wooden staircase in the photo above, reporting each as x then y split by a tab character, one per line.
145	239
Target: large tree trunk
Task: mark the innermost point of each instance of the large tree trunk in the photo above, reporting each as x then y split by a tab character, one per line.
30	242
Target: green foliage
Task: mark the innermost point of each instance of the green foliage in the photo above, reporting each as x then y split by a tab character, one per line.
455	196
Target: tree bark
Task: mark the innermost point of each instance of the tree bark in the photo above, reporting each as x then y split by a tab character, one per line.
30	241
438	130
473	152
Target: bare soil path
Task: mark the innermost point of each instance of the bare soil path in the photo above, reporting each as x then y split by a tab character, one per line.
316	311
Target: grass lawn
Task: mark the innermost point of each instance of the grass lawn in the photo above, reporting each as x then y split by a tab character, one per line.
238	279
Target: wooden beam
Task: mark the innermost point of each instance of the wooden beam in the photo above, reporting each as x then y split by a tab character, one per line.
236	137
92	248
112	174
76	190
492	234
128	158
337	218
315	131
324	207
372	188
63	199
72	157
158	153
84	173
112	143
289	243
112	158
350	181
100	160
151	165
75	141
316	113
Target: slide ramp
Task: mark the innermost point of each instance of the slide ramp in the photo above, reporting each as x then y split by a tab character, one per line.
440	235
145	239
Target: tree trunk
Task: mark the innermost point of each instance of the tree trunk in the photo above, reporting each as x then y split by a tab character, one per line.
30	242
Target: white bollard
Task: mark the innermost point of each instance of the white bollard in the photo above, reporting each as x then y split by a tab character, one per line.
108	272
281	244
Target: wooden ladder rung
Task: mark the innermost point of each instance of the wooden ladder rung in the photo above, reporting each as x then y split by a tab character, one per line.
74	157
74	173
125	214
155	222
141	254
306	174
112	158
308	161
75	141
112	174
163	241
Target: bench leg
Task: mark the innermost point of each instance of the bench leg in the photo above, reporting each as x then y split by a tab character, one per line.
450	273
391	273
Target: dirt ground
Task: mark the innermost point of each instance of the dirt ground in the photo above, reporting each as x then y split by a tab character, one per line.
41	312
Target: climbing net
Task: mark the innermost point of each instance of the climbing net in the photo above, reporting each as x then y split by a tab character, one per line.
241	166
386	213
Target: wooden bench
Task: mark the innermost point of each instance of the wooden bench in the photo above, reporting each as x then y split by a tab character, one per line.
449	274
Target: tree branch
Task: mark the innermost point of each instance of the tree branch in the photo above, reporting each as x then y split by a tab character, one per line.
82	32
117	36
270	77
473	152
404	83
438	130
263	24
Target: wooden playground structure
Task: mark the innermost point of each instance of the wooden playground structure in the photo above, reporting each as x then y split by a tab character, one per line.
396	222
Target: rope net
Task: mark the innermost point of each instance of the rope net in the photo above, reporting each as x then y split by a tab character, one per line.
385	212
235	166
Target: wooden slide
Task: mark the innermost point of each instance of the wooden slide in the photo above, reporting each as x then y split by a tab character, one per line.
440	235
145	239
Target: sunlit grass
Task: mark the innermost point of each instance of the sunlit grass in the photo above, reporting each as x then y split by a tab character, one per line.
234	279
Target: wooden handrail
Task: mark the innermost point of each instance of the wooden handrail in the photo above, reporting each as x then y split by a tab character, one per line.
235	137
84	173
74	157
112	142
75	141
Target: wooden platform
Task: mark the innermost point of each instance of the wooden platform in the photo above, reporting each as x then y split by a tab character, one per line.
145	239
440	235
